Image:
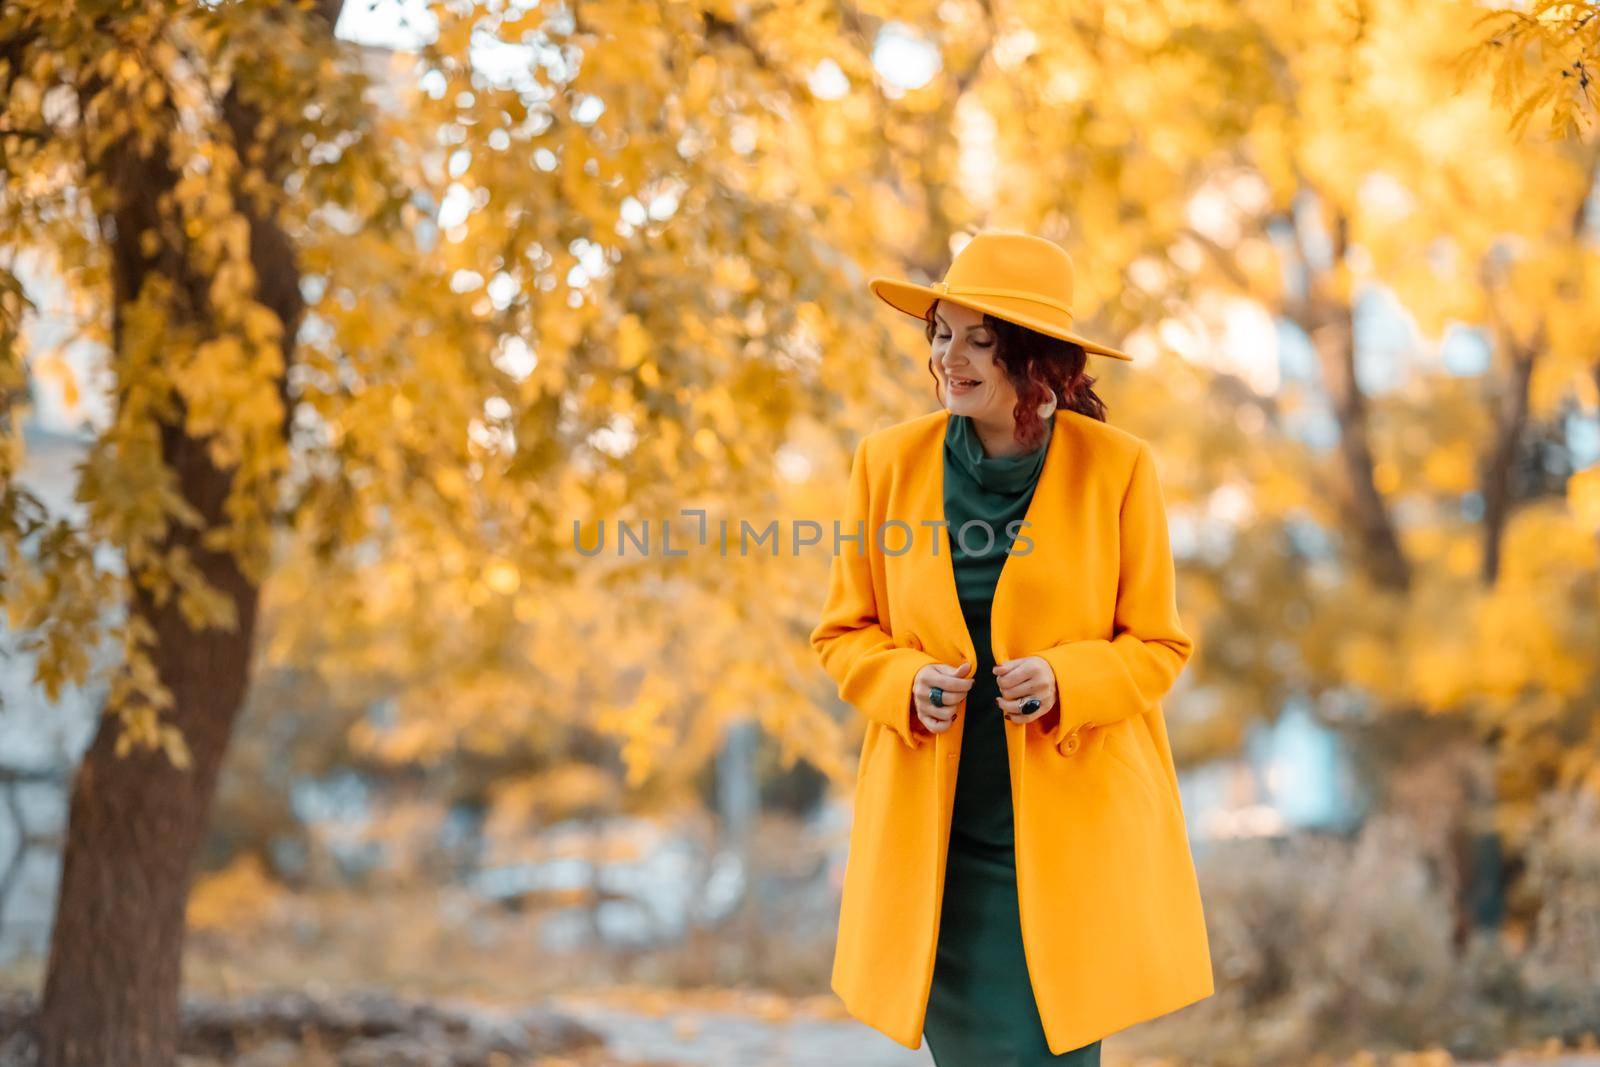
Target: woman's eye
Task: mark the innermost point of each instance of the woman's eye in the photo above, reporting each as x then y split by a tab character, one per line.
975	344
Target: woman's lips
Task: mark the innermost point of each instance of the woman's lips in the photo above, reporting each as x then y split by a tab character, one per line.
964	385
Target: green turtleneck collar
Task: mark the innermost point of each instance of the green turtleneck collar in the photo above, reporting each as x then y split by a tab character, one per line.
997	474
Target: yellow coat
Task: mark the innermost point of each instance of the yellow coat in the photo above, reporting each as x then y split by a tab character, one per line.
1110	907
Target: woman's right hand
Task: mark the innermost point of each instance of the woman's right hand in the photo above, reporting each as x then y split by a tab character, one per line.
953	681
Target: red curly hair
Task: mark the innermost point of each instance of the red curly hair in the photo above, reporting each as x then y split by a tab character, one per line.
1037	365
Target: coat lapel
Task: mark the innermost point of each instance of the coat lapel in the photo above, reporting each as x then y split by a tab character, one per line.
935	570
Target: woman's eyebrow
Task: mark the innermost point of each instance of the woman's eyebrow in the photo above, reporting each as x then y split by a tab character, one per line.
941	321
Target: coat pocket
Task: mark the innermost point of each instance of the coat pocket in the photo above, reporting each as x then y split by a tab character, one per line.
1117	740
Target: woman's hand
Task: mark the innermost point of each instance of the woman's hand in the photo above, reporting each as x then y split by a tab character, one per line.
1022	679
955	684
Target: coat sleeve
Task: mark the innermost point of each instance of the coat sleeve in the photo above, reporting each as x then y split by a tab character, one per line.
871	671
1101	681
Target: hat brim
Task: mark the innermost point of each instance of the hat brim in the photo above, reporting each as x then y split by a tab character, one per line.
914	300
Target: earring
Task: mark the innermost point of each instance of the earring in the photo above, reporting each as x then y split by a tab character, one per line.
1048	406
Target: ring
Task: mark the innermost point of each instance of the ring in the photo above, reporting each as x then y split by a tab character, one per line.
1030	705
937	696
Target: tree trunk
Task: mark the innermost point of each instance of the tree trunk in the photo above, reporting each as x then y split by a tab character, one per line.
1331	327
1511	420
111	993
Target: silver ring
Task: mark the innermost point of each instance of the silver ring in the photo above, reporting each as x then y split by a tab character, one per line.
1030	705
936	695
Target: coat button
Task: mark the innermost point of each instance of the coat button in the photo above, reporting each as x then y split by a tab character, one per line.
913	641
1072	743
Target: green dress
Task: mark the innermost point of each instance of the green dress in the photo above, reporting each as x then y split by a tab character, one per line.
981	1008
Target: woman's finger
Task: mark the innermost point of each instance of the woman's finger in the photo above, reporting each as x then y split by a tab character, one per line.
1020	686
923	692
953	686
936	719
1012	707
955	679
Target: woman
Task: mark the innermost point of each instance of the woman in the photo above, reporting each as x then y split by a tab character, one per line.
1001	608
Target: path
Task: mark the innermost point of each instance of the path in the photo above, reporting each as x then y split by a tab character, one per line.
703	1037
664	1034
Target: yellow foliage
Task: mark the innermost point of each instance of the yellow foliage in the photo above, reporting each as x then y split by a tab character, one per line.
502	577
521	805
1453	467
1583	497
234	898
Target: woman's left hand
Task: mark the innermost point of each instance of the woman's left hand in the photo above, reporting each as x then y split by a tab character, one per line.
1022	679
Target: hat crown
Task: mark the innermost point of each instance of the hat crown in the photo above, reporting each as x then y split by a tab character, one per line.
1020	265
1014	276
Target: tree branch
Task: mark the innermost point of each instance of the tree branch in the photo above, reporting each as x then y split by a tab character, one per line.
1330	323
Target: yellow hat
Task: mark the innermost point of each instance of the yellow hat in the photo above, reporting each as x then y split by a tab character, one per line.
1013	276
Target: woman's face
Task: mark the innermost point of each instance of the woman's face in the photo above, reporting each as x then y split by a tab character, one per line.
963	357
